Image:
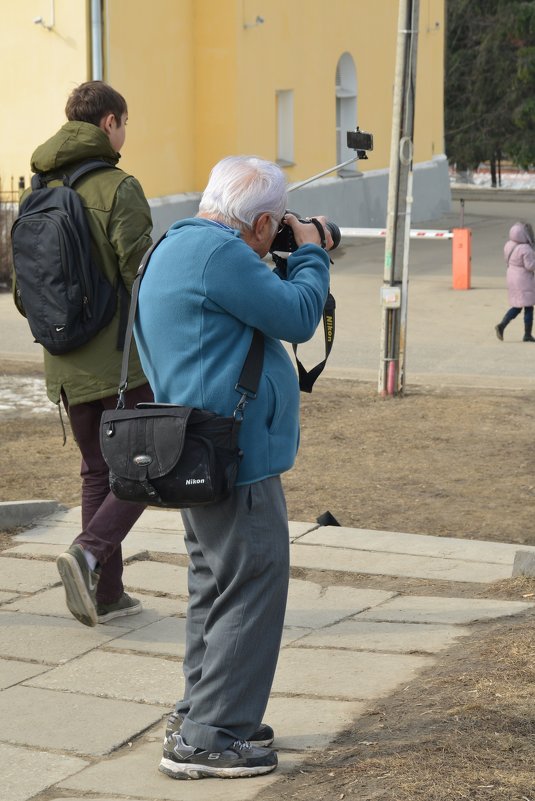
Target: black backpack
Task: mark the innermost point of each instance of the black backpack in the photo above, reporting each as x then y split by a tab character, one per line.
65	296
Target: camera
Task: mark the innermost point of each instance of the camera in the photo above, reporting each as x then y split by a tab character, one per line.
284	241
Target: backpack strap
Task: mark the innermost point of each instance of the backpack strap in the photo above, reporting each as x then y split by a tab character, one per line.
83	169
249	379
41	179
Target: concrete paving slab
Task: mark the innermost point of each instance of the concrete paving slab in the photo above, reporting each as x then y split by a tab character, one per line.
39	550
128	677
297	530
313	606
351	675
164	519
309	723
52	603
70	722
25	575
21	784
135	773
157	541
157	577
385	564
290	634
63	534
13	672
166	637
50	640
7	596
153	519
392	637
414	544
423	609
51	550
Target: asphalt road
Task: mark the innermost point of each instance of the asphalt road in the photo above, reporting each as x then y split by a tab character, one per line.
450	333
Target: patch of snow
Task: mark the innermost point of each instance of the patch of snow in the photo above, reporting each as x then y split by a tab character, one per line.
510	179
21	395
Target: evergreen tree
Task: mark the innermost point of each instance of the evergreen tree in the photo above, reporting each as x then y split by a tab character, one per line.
490	82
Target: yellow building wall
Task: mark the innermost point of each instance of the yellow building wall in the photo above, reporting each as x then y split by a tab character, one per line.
200	78
149	58
298	47
429	118
39	70
240	65
218	84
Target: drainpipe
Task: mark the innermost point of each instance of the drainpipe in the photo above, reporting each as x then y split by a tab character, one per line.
96	41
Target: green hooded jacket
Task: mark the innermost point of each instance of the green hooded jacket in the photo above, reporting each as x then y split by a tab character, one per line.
120	223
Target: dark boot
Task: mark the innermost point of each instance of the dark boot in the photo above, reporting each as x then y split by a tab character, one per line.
508	316
528	325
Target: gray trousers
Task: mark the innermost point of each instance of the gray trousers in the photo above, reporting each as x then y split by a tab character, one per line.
238	584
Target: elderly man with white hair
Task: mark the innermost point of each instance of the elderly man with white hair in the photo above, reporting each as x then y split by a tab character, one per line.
205	291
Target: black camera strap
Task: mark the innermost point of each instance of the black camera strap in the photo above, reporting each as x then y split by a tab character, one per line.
321	231
307	378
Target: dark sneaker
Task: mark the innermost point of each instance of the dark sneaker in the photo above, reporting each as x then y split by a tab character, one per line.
80	584
241	759
264	735
124	606
499	332
528	338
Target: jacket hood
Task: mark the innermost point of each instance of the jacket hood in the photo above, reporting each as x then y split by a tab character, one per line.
74	142
521	233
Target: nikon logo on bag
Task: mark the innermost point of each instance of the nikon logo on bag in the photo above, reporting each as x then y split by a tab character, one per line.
195	481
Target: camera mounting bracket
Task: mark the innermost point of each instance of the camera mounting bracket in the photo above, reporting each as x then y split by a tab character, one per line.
356	140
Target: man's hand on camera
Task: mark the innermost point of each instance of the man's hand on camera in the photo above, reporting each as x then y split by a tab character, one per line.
305	233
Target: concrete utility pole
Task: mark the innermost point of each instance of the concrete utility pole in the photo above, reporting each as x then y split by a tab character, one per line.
394	292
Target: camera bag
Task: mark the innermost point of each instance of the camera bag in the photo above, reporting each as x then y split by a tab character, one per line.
174	456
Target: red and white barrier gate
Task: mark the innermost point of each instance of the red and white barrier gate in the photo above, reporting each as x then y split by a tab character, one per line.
461	252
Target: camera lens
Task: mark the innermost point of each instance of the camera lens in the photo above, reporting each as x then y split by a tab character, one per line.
335	233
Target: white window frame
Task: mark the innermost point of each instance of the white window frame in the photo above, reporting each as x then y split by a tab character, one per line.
346	110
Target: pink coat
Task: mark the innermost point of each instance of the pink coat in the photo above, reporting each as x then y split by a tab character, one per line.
520	258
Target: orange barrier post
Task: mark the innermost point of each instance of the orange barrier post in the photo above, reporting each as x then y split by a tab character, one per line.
461	258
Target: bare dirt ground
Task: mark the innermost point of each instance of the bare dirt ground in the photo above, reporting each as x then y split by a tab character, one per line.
446	462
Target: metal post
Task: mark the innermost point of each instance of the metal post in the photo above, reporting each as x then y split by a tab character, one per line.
396	271
97	68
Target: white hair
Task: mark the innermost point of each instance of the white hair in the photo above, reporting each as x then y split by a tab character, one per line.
240	188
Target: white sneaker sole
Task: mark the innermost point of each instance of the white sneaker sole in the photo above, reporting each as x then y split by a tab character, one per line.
192	771
78	599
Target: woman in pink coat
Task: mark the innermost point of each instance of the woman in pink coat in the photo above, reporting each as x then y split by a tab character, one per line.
519	255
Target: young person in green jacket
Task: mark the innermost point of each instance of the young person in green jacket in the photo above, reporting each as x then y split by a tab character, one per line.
86	379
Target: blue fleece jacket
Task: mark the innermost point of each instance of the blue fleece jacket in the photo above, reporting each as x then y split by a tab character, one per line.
202	294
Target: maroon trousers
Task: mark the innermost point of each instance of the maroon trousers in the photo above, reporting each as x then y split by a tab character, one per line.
105	519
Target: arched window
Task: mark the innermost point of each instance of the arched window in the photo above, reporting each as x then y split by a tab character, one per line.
346	109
